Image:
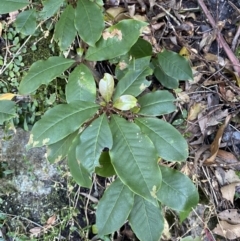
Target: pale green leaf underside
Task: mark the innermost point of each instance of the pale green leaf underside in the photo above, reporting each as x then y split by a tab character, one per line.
89	21
43	72
81	85
174	65
79	173
50	7
106	87
7	110
114	207
134	158
26	22
60	121
93	140
146	220
156	103
59	150
177	190
127	33
125	102
65	31
133	81
169	143
7	6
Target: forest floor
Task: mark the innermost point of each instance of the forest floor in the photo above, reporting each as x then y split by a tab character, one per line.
207	33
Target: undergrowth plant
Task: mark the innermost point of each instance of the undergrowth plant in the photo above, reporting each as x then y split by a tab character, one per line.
111	126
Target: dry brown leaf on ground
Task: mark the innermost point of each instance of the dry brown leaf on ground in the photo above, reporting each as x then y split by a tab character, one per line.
231	177
51	220
227	159
228	191
232	216
216	143
195	109
35	232
227	230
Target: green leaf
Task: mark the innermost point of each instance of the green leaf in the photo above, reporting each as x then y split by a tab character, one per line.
141	48
116	40
169	143
189	238
93	140
8	6
156	103
134	158
60	121
177	190
125	102
59	150
146	220
106	87
50	7
114	207
79	173
43	72
7	110
133	81
165	80
64	32
184	214
89	21
81	85
106	168
175	65
26	22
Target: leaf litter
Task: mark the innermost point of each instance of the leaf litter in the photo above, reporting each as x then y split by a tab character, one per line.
212	101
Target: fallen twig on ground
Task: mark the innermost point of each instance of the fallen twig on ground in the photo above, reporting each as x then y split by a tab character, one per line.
220	39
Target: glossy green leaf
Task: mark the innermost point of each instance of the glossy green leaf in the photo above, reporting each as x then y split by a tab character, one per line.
106	86
64	32
116	40
175	65
169	143
106	168
134	158
57	151
177	190
89	21
43	72
78	172
50	7
8	6
156	103
133	81
7	110
81	85
26	22
125	102
114	207
165	80
146	220
93	140
140	49
60	121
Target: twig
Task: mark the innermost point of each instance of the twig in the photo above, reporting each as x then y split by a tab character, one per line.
220	39
169	14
